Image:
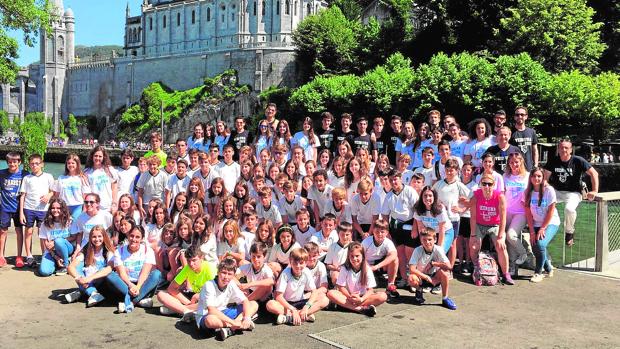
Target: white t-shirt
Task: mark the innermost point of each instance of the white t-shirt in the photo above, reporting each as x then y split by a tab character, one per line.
366	211
229	173
400	206
126	178
248	239
134	262
336	255
177	185
514	188
101	262
101	183
422	260
477	148
350	279
223	247
321	198
153	232
430	221
206	180
251	275
303	237
290	209
324	242
33	187
55	232
271	214
449	194
539	212
153	186
212	296
457	148
344	215
293	288
428	173
279	255
334	181
84	223
319	274
209	249
375	253
71	189
442	167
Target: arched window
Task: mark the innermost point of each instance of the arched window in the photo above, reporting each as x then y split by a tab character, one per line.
178	19
61	48
223	13
165	20
193	16
150	23
208	14
295	9
264	7
287	7
232	17
277	7
254	8
316	9
309	9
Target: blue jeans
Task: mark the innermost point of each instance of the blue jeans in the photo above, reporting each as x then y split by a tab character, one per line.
540	250
75	211
48	263
92	286
148	287
448	238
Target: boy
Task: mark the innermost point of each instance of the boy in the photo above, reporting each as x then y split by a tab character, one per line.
345	133
214	310
228	169
326	133
327	236
177	183
316	267
302	230
363	139
381	138
458	142
214	155
445	153
10	181
525	138
365	209
205	172
266	211
239	136
193	161
429	266
156	150
381	255
290	304
126	173
171	164
337	253
417	182
194	274
320	193
36	191
151	185
338	206
181	148
250	223
393	134
427	169
259	277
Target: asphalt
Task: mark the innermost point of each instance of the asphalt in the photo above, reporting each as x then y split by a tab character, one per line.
571	310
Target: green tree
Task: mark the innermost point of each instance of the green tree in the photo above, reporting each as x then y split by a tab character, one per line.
33	138
71	128
558	33
27	16
4	122
608	12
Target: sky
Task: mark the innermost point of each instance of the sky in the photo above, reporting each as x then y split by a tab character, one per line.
97	22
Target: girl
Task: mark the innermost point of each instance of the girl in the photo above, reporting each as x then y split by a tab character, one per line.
405	143
176	255
310	167
222	135
56	239
136	276
421	141
195	208
127	225
292	171
231	244
273	173
462	241
241	194
488	163
180	204
115	230
166	244
216	193
150	210
283	135
515	182
195	190
227	210
154	227
336	175
344	150
102	178
263	139
249	205
91	266
325	159
246	171
245	154
430	213
127	206
197	140
481	140
265	233
278	258
352	177
542	218
354	287
307	140
204	237
368	167
383	165
72	186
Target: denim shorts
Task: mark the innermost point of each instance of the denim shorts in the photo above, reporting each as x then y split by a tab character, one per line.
34	217
6	217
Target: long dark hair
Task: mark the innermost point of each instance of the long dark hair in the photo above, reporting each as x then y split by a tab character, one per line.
107	163
160	206
420	207
363	269
64	214
530	187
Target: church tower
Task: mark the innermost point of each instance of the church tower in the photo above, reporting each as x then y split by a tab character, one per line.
57	51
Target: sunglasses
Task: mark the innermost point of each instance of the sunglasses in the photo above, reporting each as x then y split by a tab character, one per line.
520	114
89	202
487	184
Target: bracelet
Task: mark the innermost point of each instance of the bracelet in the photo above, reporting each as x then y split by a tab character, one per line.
246	318
309	305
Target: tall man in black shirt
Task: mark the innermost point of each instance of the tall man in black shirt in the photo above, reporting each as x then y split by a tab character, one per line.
525	138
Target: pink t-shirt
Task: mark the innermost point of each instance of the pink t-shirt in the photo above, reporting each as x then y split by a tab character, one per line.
487	211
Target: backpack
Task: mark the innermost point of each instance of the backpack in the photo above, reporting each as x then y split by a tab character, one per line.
486	271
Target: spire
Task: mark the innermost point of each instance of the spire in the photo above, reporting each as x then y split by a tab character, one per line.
127	10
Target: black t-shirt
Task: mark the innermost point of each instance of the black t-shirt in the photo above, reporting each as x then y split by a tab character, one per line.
566	176
501	156
391	145
363	142
341	136
525	140
382	143
326	138
238	140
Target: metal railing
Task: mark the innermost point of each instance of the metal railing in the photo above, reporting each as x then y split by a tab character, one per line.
607	230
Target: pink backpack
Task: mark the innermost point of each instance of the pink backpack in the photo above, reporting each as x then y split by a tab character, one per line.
486	271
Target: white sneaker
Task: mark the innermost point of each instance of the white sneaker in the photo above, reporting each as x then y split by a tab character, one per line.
537	278
146	303
188	317
121	307
223	333
73	296
284	319
550	273
521	259
311	318
94	299
163	310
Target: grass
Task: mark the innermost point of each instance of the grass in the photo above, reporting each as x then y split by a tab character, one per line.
585	237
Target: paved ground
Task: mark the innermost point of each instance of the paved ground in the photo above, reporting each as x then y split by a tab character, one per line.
572	310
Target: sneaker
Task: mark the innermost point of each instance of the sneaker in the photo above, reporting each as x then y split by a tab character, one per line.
146	302
465	269
223	333
436	289
2	262
537	278
284	319
521	259
370	311
94	299
508	279
188	317
121	307
478	283
251	326
31	262
73	296
163	310
448	303
550	273
426	289
125	308
419	297
310	318
19	262
254	317
391	291
61	271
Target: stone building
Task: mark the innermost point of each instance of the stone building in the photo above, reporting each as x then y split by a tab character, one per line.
177	42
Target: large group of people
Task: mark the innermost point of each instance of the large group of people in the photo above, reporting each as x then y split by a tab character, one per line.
229	225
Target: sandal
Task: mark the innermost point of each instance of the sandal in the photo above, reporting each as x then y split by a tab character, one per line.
569	239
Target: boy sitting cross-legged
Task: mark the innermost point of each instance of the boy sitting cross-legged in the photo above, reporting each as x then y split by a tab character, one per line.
259	277
381	254
290	306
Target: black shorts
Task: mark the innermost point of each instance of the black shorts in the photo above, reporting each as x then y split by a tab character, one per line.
401	236
464	227
299	304
7	217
